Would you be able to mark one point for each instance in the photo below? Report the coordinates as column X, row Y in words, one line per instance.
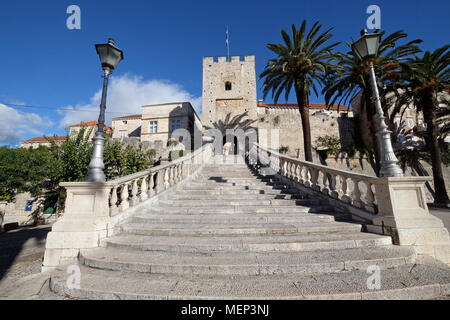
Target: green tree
column 301, row 62
column 25, row 170
column 351, row 76
column 427, row 80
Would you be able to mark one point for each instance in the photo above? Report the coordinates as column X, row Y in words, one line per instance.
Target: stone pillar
column 85, row 222
column 3, row 205
column 403, row 213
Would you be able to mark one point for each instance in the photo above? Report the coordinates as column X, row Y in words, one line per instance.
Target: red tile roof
column 45, row 139
column 134, row 116
column 295, row 105
column 89, row 123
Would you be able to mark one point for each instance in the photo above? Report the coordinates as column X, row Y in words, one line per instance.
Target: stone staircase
column 232, row 234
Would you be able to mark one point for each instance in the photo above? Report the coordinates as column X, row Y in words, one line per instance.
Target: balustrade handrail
column 146, row 172
column 322, row 167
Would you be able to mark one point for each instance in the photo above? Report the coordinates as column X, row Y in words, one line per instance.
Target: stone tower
column 229, row 90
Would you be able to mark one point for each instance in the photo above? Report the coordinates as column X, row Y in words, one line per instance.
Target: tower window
column 227, row 86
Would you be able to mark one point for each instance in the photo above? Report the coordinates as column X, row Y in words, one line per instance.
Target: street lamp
column 110, row 56
column 366, row 49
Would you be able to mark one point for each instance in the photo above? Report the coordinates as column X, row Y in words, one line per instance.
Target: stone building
column 90, row 126
column 126, row 127
column 157, row 125
column 230, row 102
column 35, row 143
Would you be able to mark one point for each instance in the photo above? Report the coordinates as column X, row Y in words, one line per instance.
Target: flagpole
column 228, row 46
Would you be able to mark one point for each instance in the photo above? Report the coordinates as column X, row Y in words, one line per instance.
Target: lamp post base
column 96, row 165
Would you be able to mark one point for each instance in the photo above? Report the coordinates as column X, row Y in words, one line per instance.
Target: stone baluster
column 159, row 181
column 166, row 179
column 325, row 183
column 357, row 194
column 315, row 179
column 151, row 191
column 345, row 190
column 370, row 198
column 171, row 176
column 134, row 193
column 113, row 201
column 124, row 204
column 307, row 177
column 144, row 189
column 334, row 193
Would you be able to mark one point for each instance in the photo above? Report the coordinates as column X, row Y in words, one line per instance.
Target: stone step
column 277, row 243
column 237, row 191
column 231, row 219
column 405, row 282
column 247, row 263
column 235, row 196
column 238, row 229
column 236, row 209
column 224, row 203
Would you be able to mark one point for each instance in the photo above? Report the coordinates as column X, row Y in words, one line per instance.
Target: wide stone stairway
column 233, row 234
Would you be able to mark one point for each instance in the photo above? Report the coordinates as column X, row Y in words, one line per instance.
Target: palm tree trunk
column 429, row 114
column 303, row 105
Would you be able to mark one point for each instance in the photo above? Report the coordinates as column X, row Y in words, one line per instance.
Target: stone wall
column 229, row 90
column 289, row 125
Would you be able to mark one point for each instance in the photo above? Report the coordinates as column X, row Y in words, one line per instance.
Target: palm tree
column 301, row 63
column 428, row 81
column 351, row 76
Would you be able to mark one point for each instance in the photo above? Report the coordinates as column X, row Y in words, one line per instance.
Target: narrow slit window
column 227, row 86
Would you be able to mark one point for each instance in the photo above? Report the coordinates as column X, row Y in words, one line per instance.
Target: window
column 175, row 124
column 228, row 86
column 153, row 126
column 124, row 122
column 122, row 134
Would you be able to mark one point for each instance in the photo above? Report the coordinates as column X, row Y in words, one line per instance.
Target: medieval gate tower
column 229, row 91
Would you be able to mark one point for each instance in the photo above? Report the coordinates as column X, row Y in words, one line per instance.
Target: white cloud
column 15, row 126
column 126, row 95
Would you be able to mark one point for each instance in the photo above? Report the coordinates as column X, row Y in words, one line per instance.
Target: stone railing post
column 391, row 206
column 84, row 224
column 403, row 213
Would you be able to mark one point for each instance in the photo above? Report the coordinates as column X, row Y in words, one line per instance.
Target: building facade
column 158, row 124
column 35, row 143
column 230, row 102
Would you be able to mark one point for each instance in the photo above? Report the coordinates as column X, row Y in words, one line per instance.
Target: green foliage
column 41, row 170
column 176, row 154
column 329, row 142
column 172, row 143
column 328, row 145
column 25, row 170
column 283, row 149
column 276, row 120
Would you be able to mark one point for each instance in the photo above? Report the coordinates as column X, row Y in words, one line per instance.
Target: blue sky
column 42, row 63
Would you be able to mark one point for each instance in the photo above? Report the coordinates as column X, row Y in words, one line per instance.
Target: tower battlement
column 229, row 88
column 223, row 59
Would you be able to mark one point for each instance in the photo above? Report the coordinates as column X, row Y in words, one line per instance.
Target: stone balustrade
column 348, row 187
column 394, row 206
column 94, row 210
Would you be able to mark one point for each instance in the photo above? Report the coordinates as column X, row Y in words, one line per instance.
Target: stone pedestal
column 403, row 213
column 85, row 222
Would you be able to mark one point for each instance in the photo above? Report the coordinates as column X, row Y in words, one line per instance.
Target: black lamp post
column 110, row 56
column 366, row 49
